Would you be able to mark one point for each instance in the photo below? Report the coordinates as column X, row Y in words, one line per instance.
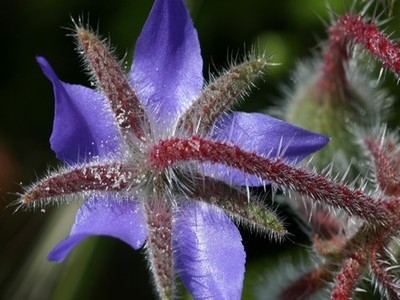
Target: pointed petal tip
column 62, row 249
column 270, row 136
column 264, row 135
column 46, row 68
column 167, row 68
column 324, row 139
column 40, row 60
column 319, row 141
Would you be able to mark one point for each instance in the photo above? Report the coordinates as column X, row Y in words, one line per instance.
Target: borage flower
column 110, row 140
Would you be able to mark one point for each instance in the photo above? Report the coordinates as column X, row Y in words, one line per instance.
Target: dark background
column 289, row 29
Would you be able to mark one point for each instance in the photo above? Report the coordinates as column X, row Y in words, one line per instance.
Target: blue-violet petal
column 103, row 215
column 77, row 133
column 167, row 64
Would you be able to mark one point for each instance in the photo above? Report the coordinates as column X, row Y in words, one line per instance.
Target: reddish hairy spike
column 383, row 277
column 87, row 178
column 159, row 245
column 220, row 95
column 112, row 81
column 346, row 280
column 387, row 163
column 173, row 151
column 353, row 29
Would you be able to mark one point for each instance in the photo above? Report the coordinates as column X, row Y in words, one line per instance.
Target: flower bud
column 335, row 111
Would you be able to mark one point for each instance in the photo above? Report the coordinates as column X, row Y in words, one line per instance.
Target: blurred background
column 103, row 268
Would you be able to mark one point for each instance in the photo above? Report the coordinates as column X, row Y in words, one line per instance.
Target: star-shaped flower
column 112, row 140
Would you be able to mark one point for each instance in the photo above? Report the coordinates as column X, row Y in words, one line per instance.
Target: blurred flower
column 349, row 242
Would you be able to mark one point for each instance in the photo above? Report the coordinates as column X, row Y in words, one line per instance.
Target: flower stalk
column 352, row 30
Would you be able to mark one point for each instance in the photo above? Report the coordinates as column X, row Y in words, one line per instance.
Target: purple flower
column 179, row 212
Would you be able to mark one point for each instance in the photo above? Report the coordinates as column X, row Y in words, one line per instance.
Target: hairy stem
column 353, row 29
column 383, row 277
column 159, row 246
column 347, row 278
column 386, row 163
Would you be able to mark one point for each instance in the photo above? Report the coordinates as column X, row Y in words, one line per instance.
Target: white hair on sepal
column 253, row 220
column 276, row 223
column 66, row 195
column 219, row 97
column 51, row 170
column 41, row 204
column 240, row 204
column 82, row 24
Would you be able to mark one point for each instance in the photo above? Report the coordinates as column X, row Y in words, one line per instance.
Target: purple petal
column 83, row 126
column 104, row 216
column 167, row 65
column 266, row 136
column 210, row 257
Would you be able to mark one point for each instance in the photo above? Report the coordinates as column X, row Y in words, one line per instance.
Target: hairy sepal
column 80, row 180
column 174, row 151
column 221, row 94
column 240, row 206
column 129, row 113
